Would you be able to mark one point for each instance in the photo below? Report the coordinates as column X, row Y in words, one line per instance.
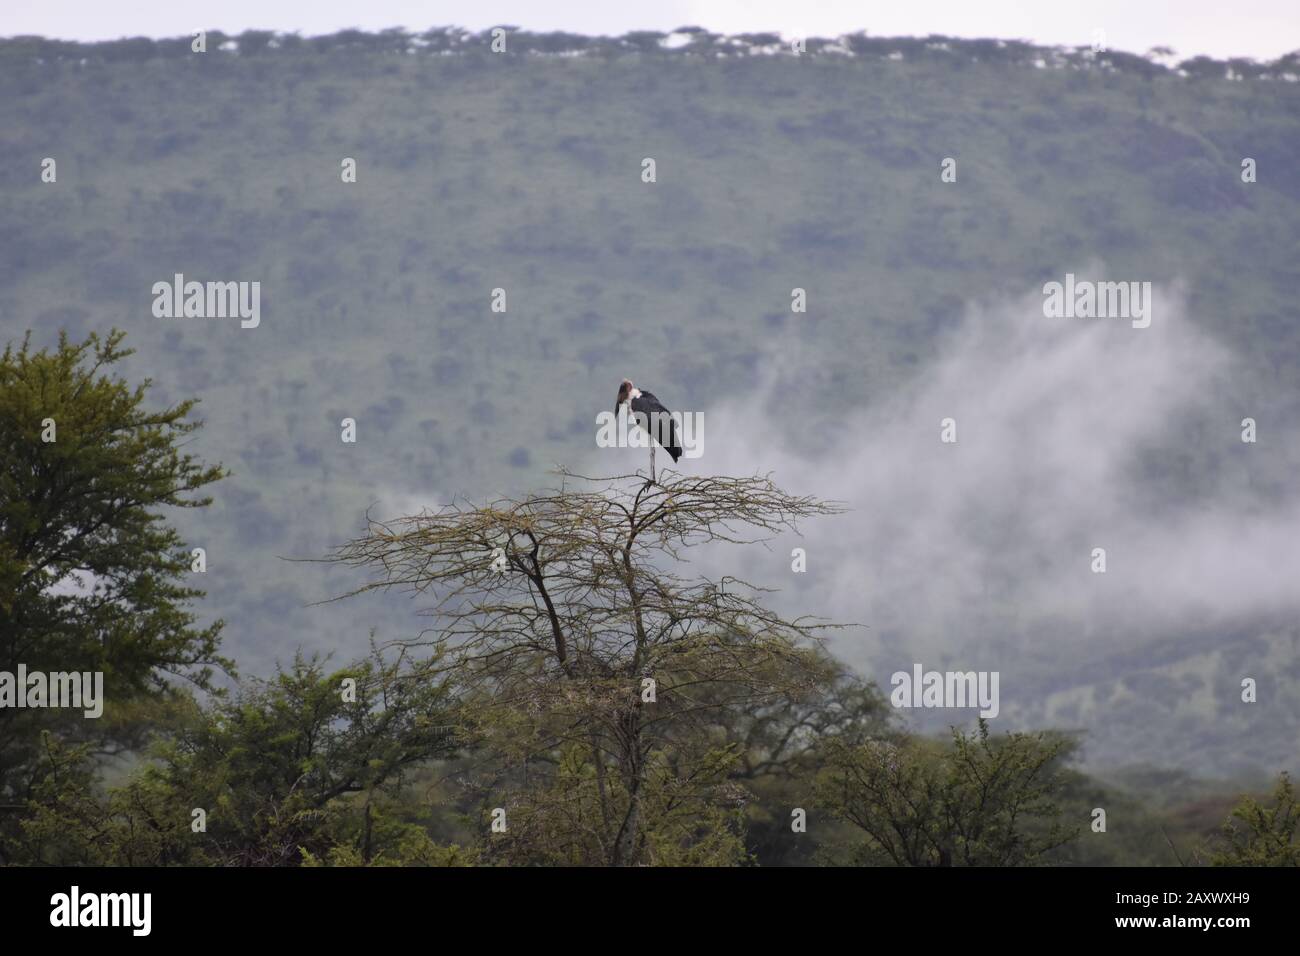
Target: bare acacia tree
column 568, row 623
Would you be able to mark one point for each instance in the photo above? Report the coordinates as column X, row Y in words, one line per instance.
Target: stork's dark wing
column 646, row 402
column 662, row 429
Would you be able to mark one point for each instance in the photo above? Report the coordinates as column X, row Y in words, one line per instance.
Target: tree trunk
column 625, row 846
column 627, row 843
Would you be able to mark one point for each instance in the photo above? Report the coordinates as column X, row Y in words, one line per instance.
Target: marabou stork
column 655, row 420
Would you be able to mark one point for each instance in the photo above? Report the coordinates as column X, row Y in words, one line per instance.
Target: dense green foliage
column 1263, row 835
column 92, row 578
column 973, row 804
column 287, row 772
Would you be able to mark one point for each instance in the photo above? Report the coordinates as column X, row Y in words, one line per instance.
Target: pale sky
column 1262, row 29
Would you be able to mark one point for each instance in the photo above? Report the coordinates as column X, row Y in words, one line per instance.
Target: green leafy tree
column 980, row 801
column 556, row 813
column 1259, row 835
column 92, row 579
column 302, row 768
column 781, row 748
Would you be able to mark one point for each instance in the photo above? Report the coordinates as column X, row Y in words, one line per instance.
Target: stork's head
column 624, row 394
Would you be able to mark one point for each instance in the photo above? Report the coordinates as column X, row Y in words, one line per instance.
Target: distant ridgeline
column 683, row 42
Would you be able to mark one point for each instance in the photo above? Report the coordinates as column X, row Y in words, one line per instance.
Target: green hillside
column 523, row 171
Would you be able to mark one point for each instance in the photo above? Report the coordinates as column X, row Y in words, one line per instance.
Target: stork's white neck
column 635, row 393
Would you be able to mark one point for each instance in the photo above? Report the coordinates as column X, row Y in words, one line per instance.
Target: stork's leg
column 652, row 462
